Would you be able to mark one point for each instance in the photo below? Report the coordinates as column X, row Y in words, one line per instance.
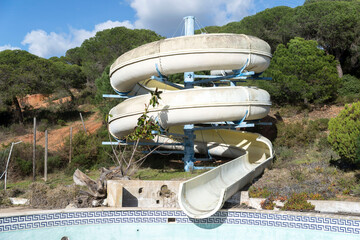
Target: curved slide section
column 189, row 53
column 205, row 194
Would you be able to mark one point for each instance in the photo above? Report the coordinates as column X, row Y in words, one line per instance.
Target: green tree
column 302, row 73
column 21, row 73
column 335, row 25
column 269, row 25
column 96, row 53
column 345, row 133
column 68, row 76
column 314, row 1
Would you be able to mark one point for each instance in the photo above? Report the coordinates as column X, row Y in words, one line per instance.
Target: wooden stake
column 70, row 150
column 83, row 123
column 34, row 152
column 46, row 156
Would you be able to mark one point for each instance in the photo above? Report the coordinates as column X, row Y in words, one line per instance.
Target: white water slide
column 205, row 194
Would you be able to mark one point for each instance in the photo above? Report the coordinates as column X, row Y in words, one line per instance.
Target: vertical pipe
column 189, row 25
column 34, row 152
column 46, row 156
column 189, row 153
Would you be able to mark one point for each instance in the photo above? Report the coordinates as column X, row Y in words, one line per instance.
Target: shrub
column 299, row 133
column 302, row 73
column 41, row 195
column 345, row 132
column 268, row 203
column 61, row 122
column 350, row 86
column 298, row 202
column 22, row 158
column 87, row 150
column 259, row 192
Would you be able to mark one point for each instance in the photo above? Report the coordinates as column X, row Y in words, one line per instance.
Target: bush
column 300, row 133
column 302, row 73
column 41, row 195
column 268, row 203
column 350, row 86
column 22, row 158
column 21, row 163
column 259, row 192
column 345, row 132
column 87, row 150
column 298, row 202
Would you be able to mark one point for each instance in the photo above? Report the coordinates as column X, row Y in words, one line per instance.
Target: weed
column 42, row 195
column 356, row 190
column 259, row 192
column 298, row 202
column 268, row 203
column 298, row 174
column 316, row 196
column 61, row 122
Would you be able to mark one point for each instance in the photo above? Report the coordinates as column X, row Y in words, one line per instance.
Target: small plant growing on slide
column 146, row 128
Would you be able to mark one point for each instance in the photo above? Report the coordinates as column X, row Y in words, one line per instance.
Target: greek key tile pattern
column 62, row 219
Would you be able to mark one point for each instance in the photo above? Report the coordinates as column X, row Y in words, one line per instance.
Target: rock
column 96, row 203
column 70, row 206
column 19, row 201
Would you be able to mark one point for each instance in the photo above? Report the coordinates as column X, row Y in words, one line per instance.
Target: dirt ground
column 56, row 137
column 327, row 111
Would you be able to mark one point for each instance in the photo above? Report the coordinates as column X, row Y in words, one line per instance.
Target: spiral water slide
column 205, row 194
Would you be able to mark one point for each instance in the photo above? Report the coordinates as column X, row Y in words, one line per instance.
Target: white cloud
column 161, row 16
column 164, row 16
column 51, row 44
column 111, row 24
column 8, row 47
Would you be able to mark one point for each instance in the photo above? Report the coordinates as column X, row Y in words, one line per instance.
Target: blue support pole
column 189, row 155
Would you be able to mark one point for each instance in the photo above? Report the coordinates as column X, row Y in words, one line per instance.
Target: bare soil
column 56, row 136
column 292, row 115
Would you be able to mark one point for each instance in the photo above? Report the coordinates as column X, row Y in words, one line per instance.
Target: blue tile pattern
column 47, row 220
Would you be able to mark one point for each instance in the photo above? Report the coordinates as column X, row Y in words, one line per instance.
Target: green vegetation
column 302, row 73
column 298, row 202
column 98, row 52
column 301, row 134
column 22, row 73
column 345, row 132
column 269, row 25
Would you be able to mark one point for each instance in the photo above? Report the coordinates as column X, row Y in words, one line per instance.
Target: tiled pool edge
column 293, row 220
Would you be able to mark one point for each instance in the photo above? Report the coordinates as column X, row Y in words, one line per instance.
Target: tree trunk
column 339, row 68
column 19, row 114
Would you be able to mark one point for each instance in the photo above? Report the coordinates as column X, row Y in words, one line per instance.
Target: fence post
column 46, row 156
column 70, row 150
column 34, row 152
column 83, row 123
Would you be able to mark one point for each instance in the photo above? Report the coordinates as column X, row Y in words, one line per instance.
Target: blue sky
column 50, row 27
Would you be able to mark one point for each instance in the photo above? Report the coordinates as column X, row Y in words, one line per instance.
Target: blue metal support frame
column 164, row 79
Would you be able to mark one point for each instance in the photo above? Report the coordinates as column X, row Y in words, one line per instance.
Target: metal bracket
column 164, row 79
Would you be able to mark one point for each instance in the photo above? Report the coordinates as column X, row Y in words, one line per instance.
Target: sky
column 49, row 28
